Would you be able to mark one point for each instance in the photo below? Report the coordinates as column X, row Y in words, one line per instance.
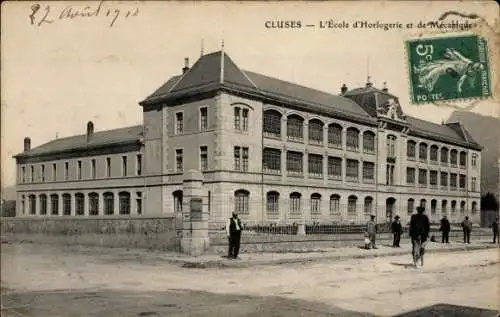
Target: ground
column 47, row 281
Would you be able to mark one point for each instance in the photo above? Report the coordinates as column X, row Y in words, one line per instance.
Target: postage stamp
column 448, row 68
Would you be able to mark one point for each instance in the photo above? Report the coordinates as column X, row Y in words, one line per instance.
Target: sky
column 57, row 76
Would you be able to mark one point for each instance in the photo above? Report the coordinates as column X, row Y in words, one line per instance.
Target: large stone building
column 272, row 150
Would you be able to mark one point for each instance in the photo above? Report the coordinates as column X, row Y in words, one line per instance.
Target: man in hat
column 396, row 229
column 371, row 230
column 419, row 232
column 494, row 226
column 467, row 228
column 445, row 229
column 233, row 231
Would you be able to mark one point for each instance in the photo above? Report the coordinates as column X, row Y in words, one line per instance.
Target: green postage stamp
column 448, row 68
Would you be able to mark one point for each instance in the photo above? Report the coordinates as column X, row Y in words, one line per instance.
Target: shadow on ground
column 440, row 310
column 151, row 304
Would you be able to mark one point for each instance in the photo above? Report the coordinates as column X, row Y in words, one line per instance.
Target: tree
column 489, row 202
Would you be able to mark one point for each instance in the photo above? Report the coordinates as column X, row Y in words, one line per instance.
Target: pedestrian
column 495, row 231
column 445, row 229
column 233, row 230
column 371, row 229
column 397, row 230
column 419, row 232
column 467, row 228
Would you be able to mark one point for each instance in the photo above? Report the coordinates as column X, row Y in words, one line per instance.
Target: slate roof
column 119, row 136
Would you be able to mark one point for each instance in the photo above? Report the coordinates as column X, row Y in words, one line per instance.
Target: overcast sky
column 59, row 75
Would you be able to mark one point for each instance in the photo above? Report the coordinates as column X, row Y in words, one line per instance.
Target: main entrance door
column 389, row 208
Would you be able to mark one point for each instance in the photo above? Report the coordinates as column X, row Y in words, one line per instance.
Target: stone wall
column 138, row 232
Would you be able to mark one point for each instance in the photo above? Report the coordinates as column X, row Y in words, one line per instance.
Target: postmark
column 448, row 68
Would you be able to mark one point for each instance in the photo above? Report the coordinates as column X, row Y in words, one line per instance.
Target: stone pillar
column 116, row 204
column 194, row 240
column 86, row 204
column 101, row 204
column 73, row 204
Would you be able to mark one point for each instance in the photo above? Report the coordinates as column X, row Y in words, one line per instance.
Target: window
column 179, row 123
column 315, row 131
column 108, row 167
column 315, row 165
column 351, row 204
column 315, row 203
column 79, row 170
column 42, row 172
column 54, row 204
column 294, row 128
column 79, row 204
column 124, row 203
column 453, row 181
column 462, row 207
column 391, row 146
column 66, row 204
column 335, row 135
column 474, row 160
column 352, row 170
column 368, row 206
column 237, row 118
column 54, row 172
column 410, row 175
column 389, row 174
column 23, row 206
column 411, row 205
column 444, row 179
column 462, row 181
column 434, row 153
column 93, row 172
column 241, row 205
column 422, row 152
column 109, row 203
column 433, row 179
column 245, row 119
column 444, row 155
column 203, row 119
column 66, row 171
column 241, row 159
column 32, row 173
column 179, row 164
column 209, row 201
column 237, row 158
column 369, row 142
column 203, row 158
column 444, row 207
column 138, row 164
column 334, row 167
column 463, row 159
column 245, row 159
column 453, row 206
column 433, row 206
column 352, row 139
column 93, row 204
column 178, row 200
column 423, row 203
column 295, row 203
column 368, row 171
column 271, row 161
column 138, row 202
column 453, row 157
column 43, row 204
column 32, row 204
column 473, row 184
column 474, row 207
column 294, row 163
column 124, row 166
column 334, row 204
column 272, row 202
column 272, row 124
column 422, row 177
column 23, row 173
column 410, row 149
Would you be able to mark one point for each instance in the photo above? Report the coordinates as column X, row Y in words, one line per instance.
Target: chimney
column 343, row 89
column 27, row 144
column 186, row 65
column 90, row 130
column 385, row 89
column 368, row 82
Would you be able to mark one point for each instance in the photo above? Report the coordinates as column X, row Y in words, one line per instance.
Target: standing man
column 419, row 232
column 495, row 231
column 467, row 228
column 371, row 229
column 397, row 229
column 233, row 231
column 445, row 229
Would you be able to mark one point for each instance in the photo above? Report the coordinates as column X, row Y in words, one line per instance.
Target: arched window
column 352, row 139
column 272, row 202
column 453, row 206
column 411, row 205
column 295, row 127
column 32, row 204
column 422, row 152
column 462, row 207
column 54, row 204
column 43, row 204
column 434, row 153
column 411, row 149
column 444, row 207
column 369, row 142
column 368, row 205
column 423, row 203
column 295, row 203
column 351, row 204
column 79, row 204
column 391, row 146
column 315, row 131
column 66, row 204
column 272, row 123
column 124, row 202
column 474, row 207
column 334, row 204
column 474, row 160
column 444, row 155
column 433, row 206
column 335, row 135
column 453, row 157
column 93, row 204
column 178, row 200
column 241, row 204
column 315, row 203
column 109, row 203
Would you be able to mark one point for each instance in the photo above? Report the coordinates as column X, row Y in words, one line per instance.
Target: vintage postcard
column 252, row 158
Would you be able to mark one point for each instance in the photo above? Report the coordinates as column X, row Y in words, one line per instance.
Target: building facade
column 275, row 152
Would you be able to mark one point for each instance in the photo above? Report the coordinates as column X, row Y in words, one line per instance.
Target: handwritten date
column 47, row 15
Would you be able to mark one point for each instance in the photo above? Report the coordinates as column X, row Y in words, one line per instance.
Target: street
column 48, row 281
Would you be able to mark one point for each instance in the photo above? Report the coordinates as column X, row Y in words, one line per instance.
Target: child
column 367, row 241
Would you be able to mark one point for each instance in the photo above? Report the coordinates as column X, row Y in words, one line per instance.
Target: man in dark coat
column 445, row 229
column 396, row 229
column 495, row 231
column 419, row 232
column 467, row 228
column 233, row 231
